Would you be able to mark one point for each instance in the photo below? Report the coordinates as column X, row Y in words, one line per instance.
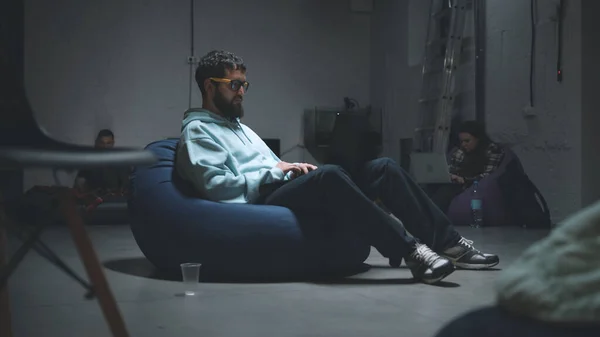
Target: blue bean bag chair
column 172, row 224
column 495, row 212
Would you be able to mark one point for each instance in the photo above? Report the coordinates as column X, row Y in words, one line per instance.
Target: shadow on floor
column 364, row 279
column 141, row 267
column 457, row 269
column 381, row 281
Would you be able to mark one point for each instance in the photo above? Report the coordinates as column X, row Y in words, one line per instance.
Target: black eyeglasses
column 235, row 85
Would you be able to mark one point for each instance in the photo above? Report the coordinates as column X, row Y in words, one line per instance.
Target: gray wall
column 590, row 123
column 394, row 84
column 549, row 139
column 549, row 143
column 122, row 64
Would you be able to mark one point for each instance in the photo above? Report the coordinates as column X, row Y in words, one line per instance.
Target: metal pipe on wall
column 480, row 45
column 191, row 56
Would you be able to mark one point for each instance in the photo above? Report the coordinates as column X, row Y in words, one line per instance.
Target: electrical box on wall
column 193, row 60
column 361, row 6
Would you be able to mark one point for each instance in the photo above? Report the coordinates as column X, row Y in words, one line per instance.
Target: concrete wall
column 590, row 121
column 122, row 64
column 394, row 84
column 548, row 140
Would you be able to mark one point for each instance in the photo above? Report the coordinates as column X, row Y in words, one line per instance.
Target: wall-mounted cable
column 533, row 4
column 480, row 51
column 559, row 18
column 191, row 58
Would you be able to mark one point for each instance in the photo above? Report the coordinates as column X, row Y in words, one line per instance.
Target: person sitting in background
column 476, row 157
column 106, row 180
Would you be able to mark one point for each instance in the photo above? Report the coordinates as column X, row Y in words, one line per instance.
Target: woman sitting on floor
column 475, row 158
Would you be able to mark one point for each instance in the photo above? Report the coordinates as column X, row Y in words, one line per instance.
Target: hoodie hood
column 208, row 117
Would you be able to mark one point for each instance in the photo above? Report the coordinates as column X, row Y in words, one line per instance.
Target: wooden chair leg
column 92, row 265
column 5, row 317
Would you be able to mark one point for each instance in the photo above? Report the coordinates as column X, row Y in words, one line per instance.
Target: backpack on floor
column 523, row 199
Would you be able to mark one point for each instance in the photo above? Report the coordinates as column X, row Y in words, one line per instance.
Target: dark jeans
column 349, row 204
column 444, row 195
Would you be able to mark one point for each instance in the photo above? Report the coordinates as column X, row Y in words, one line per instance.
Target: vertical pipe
column 560, row 18
column 192, row 21
column 480, row 33
column 191, row 80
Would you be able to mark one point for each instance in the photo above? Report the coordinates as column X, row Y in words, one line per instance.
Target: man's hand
column 296, row 169
column 457, row 179
column 305, row 168
column 287, row 167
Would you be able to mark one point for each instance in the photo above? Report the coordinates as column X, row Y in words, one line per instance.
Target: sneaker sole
column 440, row 277
column 471, row 266
column 475, row 266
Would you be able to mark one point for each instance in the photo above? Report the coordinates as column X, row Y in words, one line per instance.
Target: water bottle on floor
column 476, row 206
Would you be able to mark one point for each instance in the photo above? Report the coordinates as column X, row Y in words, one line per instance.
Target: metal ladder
column 441, row 60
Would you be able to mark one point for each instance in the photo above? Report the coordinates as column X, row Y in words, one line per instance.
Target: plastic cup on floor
column 190, row 273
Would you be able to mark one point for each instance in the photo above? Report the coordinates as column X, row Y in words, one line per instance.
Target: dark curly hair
column 475, row 129
column 105, row 133
column 214, row 64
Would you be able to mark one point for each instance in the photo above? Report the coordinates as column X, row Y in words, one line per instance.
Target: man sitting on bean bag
column 227, row 162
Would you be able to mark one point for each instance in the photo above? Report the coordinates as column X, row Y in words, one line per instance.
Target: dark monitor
column 352, row 142
column 319, row 126
column 274, row 144
column 324, row 125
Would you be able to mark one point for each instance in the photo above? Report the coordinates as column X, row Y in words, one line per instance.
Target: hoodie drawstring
column 237, row 134
column 241, row 128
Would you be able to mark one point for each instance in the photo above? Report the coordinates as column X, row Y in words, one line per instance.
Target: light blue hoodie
column 224, row 160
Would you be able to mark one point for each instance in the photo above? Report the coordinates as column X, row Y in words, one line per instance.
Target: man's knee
column 330, row 178
column 385, row 163
column 331, row 170
column 386, row 167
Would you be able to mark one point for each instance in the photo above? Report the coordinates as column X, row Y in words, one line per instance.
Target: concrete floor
column 380, row 302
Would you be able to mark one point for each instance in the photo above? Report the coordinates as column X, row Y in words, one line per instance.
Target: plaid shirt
column 494, row 155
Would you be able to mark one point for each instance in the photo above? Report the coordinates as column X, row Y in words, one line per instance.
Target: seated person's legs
column 384, row 179
column 330, row 191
